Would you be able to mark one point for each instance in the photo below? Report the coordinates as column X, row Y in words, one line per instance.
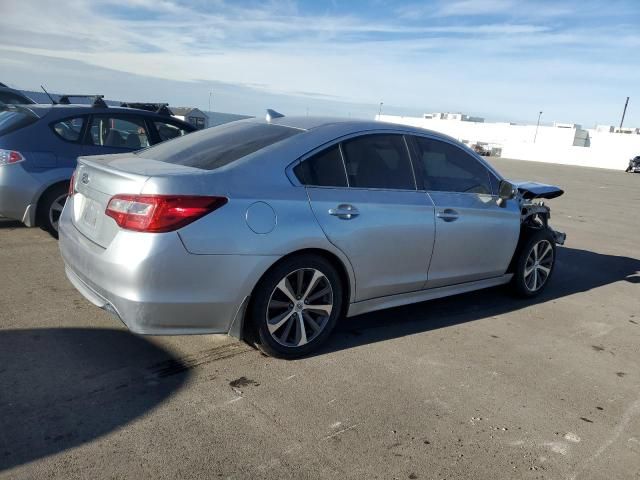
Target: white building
column 565, row 143
column 194, row 116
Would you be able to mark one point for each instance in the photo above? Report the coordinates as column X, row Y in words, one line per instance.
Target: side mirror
column 506, row 191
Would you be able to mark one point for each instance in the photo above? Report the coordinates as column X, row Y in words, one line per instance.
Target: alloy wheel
column 56, row 210
column 538, row 265
column 299, row 307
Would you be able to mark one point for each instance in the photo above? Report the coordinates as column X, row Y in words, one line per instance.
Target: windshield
column 218, row 146
column 13, row 118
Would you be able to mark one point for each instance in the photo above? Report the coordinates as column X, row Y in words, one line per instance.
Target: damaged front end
column 533, row 211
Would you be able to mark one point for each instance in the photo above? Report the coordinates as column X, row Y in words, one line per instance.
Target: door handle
column 344, row 211
column 448, row 215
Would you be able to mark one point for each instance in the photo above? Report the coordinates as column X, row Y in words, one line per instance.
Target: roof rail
column 160, row 108
column 97, row 99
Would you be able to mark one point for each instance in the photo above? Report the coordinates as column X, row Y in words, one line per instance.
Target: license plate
column 90, row 213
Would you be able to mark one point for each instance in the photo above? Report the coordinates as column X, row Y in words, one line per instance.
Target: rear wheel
column 50, row 208
column 296, row 306
column 535, row 263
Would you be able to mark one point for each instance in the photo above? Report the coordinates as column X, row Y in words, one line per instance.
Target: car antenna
column 53, row 102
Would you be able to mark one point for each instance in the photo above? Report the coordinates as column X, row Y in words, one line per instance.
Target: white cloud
column 484, row 66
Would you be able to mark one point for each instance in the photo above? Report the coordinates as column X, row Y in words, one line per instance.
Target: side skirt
column 381, row 303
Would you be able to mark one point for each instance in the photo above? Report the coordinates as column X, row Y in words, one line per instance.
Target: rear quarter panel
column 289, row 225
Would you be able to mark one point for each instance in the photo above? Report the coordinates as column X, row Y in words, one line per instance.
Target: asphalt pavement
column 481, row 385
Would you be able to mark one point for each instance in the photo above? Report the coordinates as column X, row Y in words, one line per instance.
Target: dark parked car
column 39, row 145
column 13, row 97
column 634, row 165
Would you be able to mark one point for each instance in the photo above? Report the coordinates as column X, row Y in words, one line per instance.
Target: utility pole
column 537, row 125
column 380, row 110
column 624, row 112
column 209, row 111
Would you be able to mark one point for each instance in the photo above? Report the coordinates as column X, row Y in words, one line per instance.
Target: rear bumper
column 154, row 285
column 18, row 191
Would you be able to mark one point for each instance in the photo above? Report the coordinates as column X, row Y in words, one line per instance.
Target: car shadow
column 575, row 271
column 60, row 388
column 6, row 223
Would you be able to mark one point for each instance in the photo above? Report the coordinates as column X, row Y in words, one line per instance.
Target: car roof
column 42, row 109
column 82, row 107
column 348, row 125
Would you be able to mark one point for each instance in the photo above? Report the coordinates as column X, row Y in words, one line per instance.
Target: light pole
column 210, row 95
column 537, row 125
column 380, row 110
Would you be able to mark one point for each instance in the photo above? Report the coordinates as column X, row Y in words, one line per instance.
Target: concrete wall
column 570, row 146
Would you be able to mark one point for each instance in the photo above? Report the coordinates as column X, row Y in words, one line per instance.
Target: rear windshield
column 13, row 98
column 14, row 118
column 218, row 146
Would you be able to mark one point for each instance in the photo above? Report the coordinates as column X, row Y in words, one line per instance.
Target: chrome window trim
column 344, row 164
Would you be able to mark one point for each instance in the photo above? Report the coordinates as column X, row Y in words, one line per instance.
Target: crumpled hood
column 531, row 190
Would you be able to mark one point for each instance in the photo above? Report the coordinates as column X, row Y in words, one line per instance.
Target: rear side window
column 378, row 161
column 447, row 168
column 12, row 119
column 168, row 131
column 218, row 146
column 324, row 169
column 120, row 132
column 69, row 129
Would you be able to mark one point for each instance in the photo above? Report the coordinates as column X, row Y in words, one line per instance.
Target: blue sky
column 501, row 59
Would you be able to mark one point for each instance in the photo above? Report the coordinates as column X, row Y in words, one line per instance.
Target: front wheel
column 295, row 306
column 534, row 264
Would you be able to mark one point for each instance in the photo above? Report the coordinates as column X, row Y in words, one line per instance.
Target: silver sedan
column 273, row 230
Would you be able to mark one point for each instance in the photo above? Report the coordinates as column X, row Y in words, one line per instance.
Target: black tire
column 268, row 297
column 48, row 212
column 525, row 281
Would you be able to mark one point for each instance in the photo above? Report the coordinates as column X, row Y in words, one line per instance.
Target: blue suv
column 39, row 145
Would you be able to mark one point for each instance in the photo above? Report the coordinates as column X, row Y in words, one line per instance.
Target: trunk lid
column 98, row 178
column 95, row 183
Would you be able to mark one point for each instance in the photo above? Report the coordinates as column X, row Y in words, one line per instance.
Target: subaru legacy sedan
column 273, row 230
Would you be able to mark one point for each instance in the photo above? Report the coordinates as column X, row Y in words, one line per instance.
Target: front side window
column 167, row 131
column 447, row 168
column 119, row 132
column 378, row 161
column 216, row 147
column 69, row 129
column 324, row 169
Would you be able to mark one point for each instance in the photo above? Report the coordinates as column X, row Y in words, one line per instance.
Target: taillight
column 8, row 157
column 72, row 185
column 160, row 213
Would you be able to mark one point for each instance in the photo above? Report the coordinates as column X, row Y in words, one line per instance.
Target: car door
column 475, row 237
column 363, row 194
column 115, row 133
